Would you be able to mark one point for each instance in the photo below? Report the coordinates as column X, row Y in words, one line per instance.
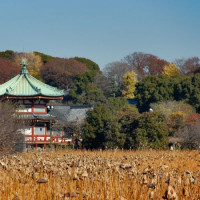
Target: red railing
column 45, row 139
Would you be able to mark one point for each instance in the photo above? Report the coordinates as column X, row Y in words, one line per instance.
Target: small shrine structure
column 32, row 97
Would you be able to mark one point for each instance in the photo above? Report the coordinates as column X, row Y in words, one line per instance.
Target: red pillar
column 32, row 133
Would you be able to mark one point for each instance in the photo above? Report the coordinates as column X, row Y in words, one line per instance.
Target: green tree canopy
column 9, row 54
column 103, row 126
column 45, row 58
column 153, row 89
column 151, row 131
column 101, row 129
column 188, row 89
column 92, row 66
column 89, row 63
column 84, row 93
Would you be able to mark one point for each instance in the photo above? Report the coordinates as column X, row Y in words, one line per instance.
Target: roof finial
column 24, row 64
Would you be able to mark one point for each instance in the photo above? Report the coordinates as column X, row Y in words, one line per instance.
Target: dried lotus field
column 112, row 175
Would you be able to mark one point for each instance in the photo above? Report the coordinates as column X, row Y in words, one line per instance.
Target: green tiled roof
column 26, row 85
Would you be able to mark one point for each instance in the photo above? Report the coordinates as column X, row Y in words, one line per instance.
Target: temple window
column 41, row 109
column 39, row 130
column 24, row 109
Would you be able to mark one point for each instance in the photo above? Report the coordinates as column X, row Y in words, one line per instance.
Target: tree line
column 167, row 96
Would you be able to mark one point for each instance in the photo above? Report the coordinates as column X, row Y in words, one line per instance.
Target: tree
column 60, row 72
column 9, row 54
column 129, row 84
column 116, row 104
column 189, row 65
column 84, row 90
column 93, row 68
column 117, row 70
column 84, row 93
column 188, row 89
column 177, row 114
column 145, row 64
column 118, row 124
column 8, row 69
column 143, row 131
column 175, row 121
column 170, row 70
column 151, row 131
column 153, row 89
column 167, row 108
column 114, row 73
column 101, row 129
column 103, row 83
column 128, row 122
column 45, row 58
column 107, row 124
column 190, row 135
column 10, row 137
column 34, row 63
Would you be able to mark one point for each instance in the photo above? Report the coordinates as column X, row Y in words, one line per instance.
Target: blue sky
column 101, row 30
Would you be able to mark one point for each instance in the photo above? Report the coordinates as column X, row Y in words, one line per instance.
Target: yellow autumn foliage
column 129, row 81
column 178, row 114
column 34, row 63
column 170, row 70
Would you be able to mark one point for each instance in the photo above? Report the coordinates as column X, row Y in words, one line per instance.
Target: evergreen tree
column 45, row 58
column 153, row 89
column 101, row 129
column 151, row 131
column 9, row 54
column 84, row 91
column 91, row 66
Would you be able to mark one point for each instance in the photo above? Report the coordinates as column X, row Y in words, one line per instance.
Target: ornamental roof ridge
column 24, row 70
column 8, row 83
column 34, row 87
column 46, row 85
column 8, row 90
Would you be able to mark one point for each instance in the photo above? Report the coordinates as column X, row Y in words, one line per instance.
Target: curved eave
column 34, row 97
column 36, row 120
column 25, row 85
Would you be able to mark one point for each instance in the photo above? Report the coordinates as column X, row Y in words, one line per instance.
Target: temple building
column 31, row 98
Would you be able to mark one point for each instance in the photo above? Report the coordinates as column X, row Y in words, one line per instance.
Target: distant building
column 70, row 114
column 70, row 119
